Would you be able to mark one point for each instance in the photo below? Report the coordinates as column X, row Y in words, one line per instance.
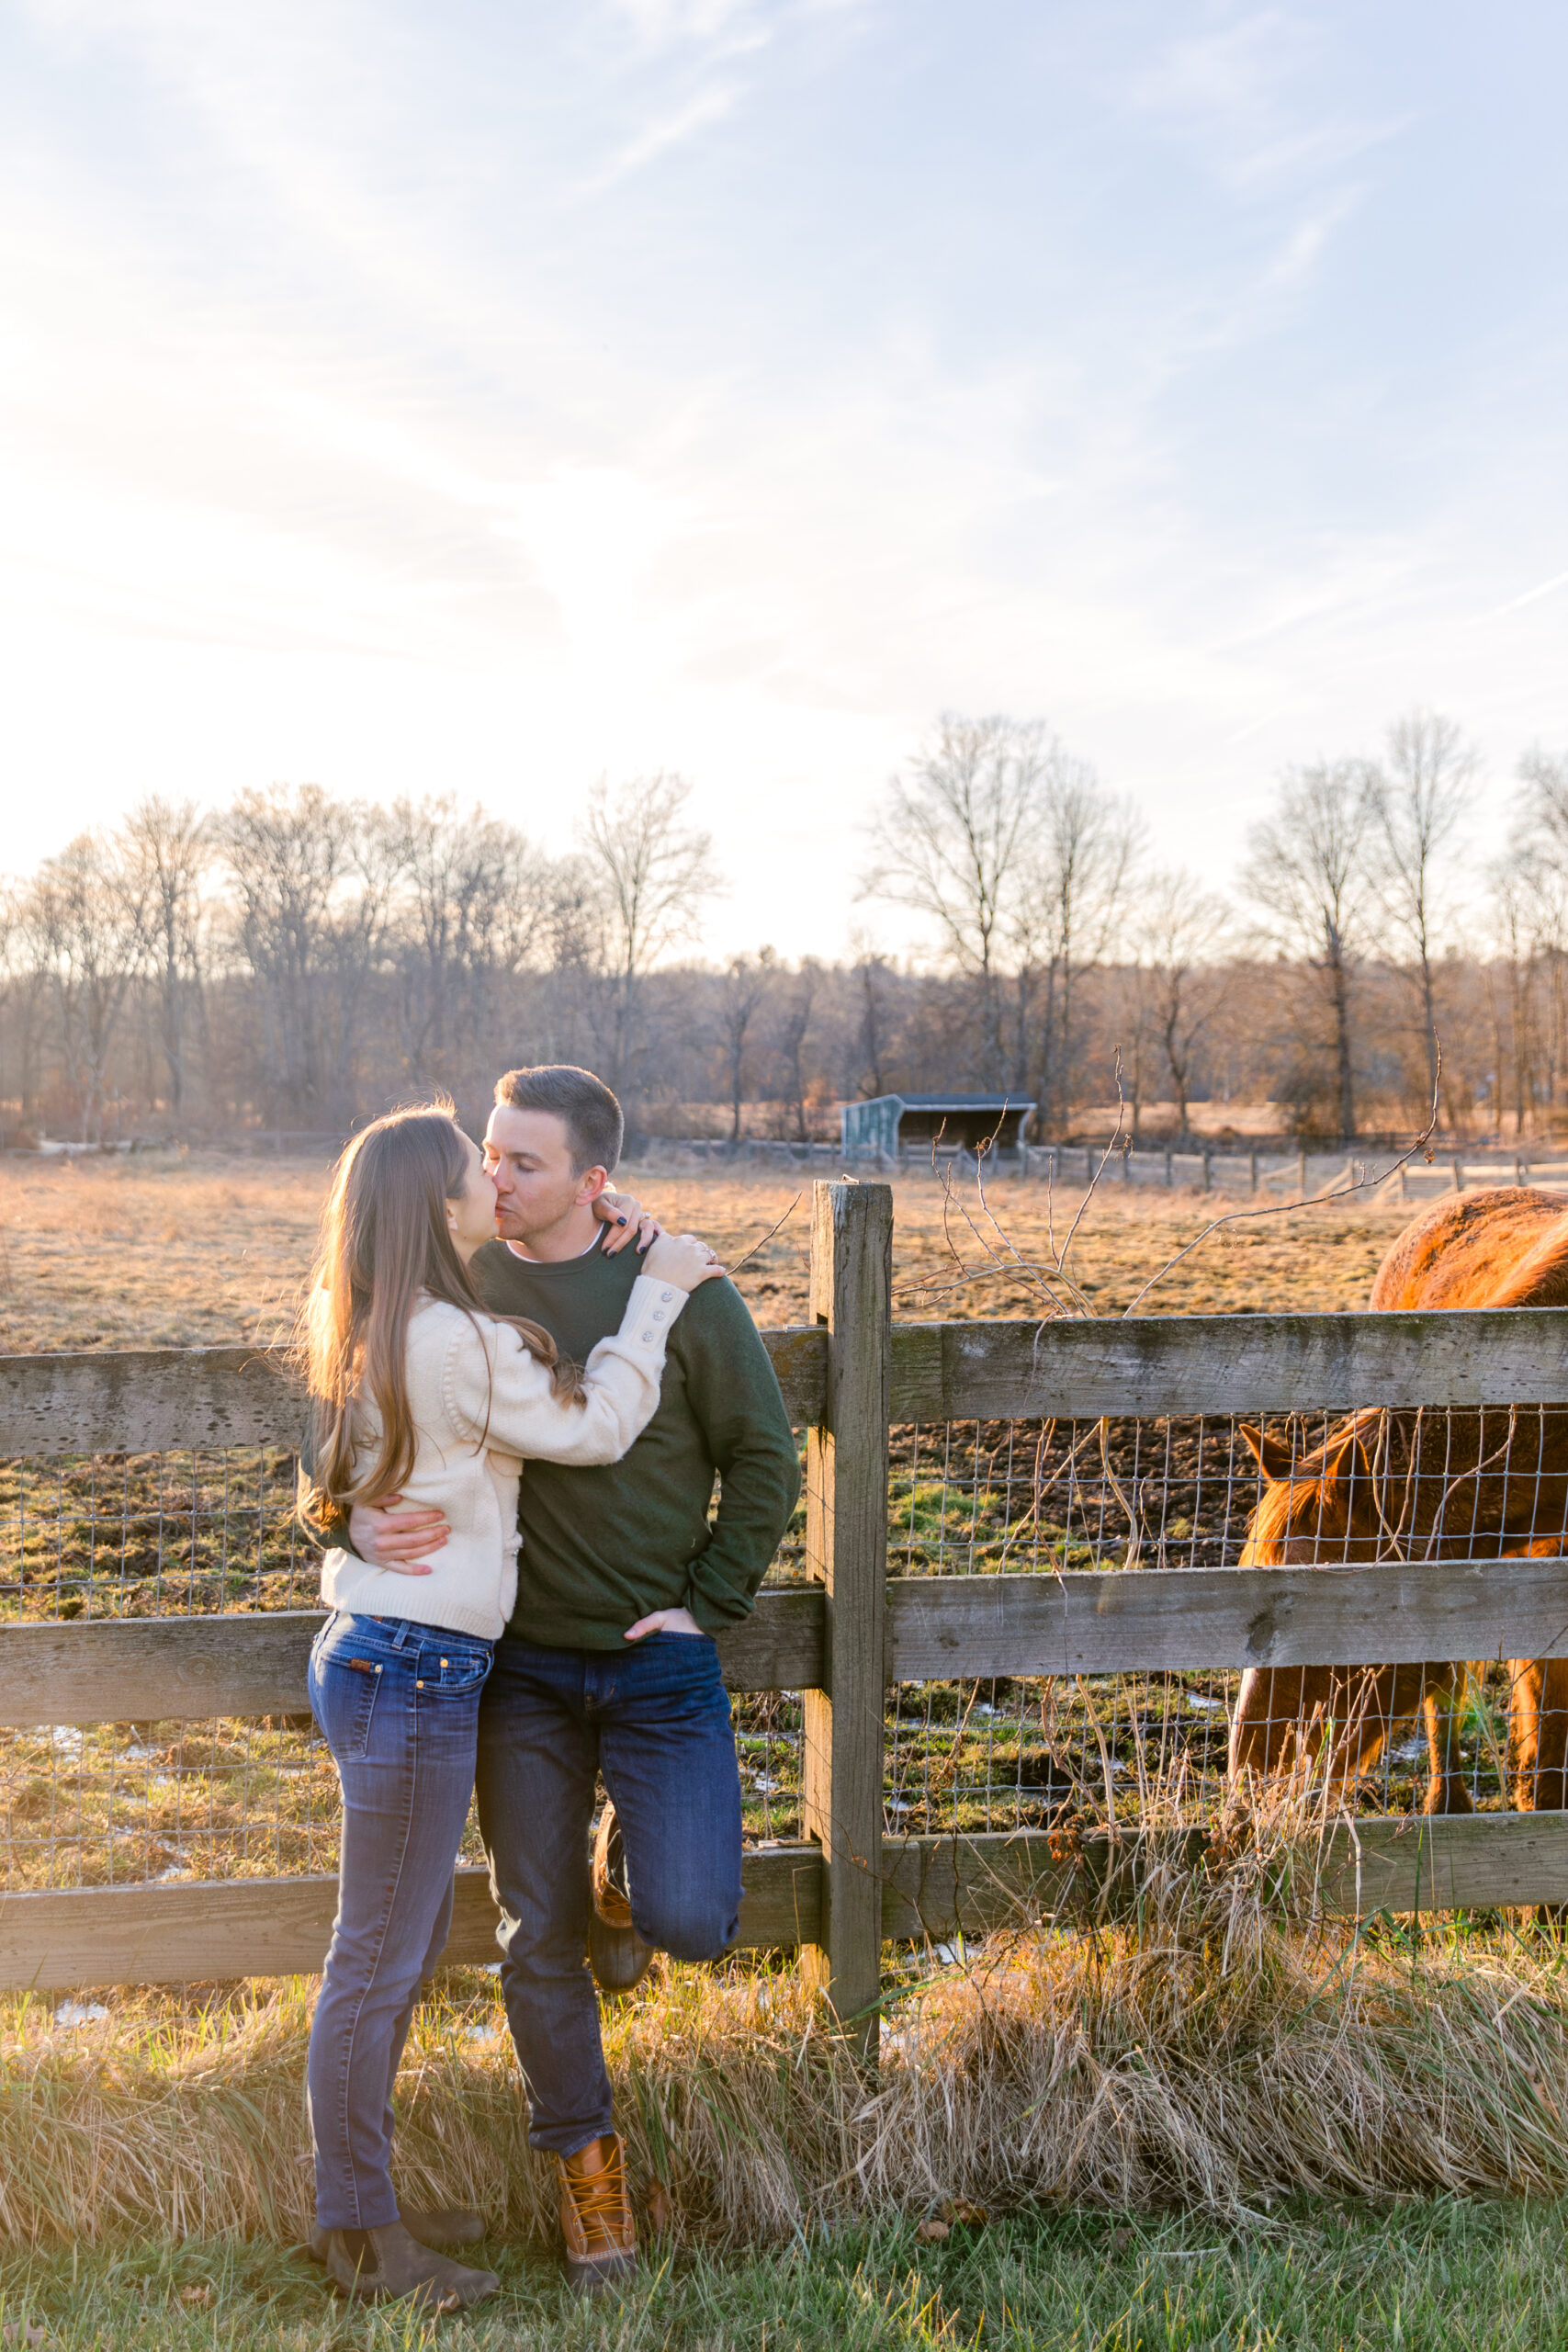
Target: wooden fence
column 846, row 1886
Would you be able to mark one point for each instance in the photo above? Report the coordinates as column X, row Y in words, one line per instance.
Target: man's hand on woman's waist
column 390, row 1538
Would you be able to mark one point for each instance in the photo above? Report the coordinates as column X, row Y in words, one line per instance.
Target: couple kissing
column 522, row 1391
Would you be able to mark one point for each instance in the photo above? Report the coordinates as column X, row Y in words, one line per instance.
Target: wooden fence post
column 846, row 1551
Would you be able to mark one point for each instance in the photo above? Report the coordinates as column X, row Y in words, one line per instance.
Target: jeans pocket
column 455, row 1671
column 342, row 1699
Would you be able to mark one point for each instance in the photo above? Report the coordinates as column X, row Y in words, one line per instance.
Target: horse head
column 1318, row 1507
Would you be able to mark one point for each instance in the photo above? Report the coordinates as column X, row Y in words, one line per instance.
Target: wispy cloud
column 1532, row 596
column 665, row 131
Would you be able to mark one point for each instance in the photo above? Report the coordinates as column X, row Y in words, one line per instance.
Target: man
column 608, row 1664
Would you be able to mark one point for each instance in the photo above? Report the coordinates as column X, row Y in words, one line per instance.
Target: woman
column 417, row 1390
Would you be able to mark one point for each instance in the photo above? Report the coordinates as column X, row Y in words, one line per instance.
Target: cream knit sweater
column 482, row 1404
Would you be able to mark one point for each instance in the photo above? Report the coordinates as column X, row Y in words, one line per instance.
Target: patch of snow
column 75, row 2012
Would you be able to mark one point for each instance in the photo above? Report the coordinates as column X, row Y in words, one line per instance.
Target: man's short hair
column 583, row 1104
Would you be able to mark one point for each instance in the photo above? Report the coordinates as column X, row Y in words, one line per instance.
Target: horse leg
column 1446, row 1791
column 1366, row 1702
column 1526, row 1678
column 1538, row 1733
column 1271, row 1717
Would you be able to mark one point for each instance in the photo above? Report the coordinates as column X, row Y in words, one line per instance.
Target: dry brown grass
column 1215, row 2062
column 192, row 1250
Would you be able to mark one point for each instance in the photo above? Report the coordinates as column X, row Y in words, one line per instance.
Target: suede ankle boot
column 388, row 2265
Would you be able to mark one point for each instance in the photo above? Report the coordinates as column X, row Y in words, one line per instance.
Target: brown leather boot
column 387, row 2266
column 619, row 1958
column 442, row 2225
column 596, row 2215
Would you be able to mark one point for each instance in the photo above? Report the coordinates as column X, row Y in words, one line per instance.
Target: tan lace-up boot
column 596, row 2215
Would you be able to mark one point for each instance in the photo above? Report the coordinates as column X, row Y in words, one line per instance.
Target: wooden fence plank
column 119, row 1670
column 281, row 1927
column 152, row 1400
column 934, row 1887
column 1479, row 1861
column 159, row 1400
column 939, row 1628
column 1187, row 1365
column 1189, row 1619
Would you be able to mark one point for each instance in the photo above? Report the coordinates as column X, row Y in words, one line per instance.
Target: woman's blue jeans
column 398, row 1706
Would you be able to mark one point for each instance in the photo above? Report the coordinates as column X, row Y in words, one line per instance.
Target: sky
column 509, row 401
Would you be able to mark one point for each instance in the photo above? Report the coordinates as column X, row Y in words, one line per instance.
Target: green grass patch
column 1449, row 2275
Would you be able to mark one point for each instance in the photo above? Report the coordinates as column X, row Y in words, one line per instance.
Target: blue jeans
column 654, row 1720
column 398, row 1706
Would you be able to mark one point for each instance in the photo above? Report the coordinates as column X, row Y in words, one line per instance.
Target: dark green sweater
column 602, row 1548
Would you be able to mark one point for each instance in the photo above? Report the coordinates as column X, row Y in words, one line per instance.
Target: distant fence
column 1063, row 1505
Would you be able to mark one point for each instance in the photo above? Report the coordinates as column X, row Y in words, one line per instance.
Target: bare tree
column 1419, row 799
column 1309, row 867
column 86, row 915
column 800, row 1000
column 743, row 991
column 23, row 994
column 311, row 881
column 1071, row 896
column 475, row 906
column 654, row 872
column 1531, row 887
column 872, row 975
column 949, row 843
column 167, row 844
column 1187, row 929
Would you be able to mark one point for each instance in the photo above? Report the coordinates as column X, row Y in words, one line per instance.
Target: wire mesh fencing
column 198, row 1534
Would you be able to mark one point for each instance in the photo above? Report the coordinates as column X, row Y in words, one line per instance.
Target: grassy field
column 1440, row 2275
column 192, row 1250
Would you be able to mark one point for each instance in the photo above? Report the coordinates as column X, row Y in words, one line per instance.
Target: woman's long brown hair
column 384, row 1243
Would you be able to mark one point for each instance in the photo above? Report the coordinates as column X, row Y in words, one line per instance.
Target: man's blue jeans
column 654, row 1720
column 398, row 1706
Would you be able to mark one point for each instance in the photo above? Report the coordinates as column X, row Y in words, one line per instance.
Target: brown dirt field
column 185, row 1250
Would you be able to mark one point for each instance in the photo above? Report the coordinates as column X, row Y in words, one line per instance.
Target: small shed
column 889, row 1123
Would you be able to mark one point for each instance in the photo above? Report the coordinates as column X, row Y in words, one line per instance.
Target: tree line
column 295, row 961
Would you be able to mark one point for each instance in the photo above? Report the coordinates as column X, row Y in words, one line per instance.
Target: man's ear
column 590, row 1184
column 1272, row 1454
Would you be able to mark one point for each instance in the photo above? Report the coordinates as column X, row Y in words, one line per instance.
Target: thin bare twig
column 767, row 1237
column 1362, row 1183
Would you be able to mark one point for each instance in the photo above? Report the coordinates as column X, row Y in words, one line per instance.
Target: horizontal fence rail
column 939, row 1628
column 157, row 1400
column 930, row 1887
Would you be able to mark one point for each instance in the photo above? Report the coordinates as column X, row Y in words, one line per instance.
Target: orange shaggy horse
column 1417, row 1486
